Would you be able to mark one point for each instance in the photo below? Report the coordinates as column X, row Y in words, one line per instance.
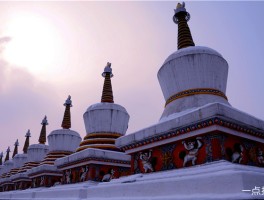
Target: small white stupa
column 98, row 157
column 5, row 182
column 6, row 165
column 62, row 142
column 105, row 121
column 35, row 153
column 20, row 159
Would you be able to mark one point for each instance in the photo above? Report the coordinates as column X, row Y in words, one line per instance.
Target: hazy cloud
column 24, row 101
column 4, row 39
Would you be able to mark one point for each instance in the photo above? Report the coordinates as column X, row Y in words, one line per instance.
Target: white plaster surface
column 23, row 175
column 42, row 168
column 217, row 180
column 98, row 153
column 36, row 152
column 16, row 162
column 187, row 117
column 106, row 117
column 64, row 140
column 189, row 68
column 7, row 166
column 7, row 179
column 19, row 160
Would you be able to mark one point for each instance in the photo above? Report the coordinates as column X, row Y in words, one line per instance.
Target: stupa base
column 216, row 180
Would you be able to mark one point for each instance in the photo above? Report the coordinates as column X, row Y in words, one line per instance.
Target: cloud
column 24, row 101
column 4, row 39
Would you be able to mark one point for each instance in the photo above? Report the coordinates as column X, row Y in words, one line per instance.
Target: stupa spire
column 26, row 145
column 42, row 137
column 7, row 154
column 66, row 122
column 107, row 94
column 15, row 149
column 1, row 158
column 181, row 17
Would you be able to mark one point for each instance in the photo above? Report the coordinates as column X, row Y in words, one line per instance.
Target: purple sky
column 49, row 50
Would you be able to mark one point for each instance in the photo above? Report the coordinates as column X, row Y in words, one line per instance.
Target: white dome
column 106, row 117
column 64, row 140
column 19, row 160
column 8, row 165
column 192, row 68
column 36, row 152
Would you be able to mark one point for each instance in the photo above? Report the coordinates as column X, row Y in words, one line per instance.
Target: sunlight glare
column 34, row 43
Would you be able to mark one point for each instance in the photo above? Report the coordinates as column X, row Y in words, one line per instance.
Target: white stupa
column 20, row 159
column 35, row 153
column 192, row 77
column 7, row 165
column 104, row 123
column 201, row 148
column 62, row 142
column 5, row 180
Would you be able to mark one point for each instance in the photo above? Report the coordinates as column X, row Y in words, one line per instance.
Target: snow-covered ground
column 217, row 180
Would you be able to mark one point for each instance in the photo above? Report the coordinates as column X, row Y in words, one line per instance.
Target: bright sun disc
column 34, row 43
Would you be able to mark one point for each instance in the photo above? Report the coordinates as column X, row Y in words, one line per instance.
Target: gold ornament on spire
column 181, row 17
column 66, row 122
column 26, row 145
column 107, row 94
column 42, row 136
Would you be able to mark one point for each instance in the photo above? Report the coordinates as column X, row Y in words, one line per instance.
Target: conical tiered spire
column 26, row 145
column 107, row 95
column 1, row 158
column 181, row 17
column 66, row 122
column 15, row 149
column 42, row 137
column 7, row 154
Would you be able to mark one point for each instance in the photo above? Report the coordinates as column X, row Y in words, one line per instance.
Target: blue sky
column 64, row 47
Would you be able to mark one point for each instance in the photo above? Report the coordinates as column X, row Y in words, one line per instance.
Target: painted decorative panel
column 205, row 148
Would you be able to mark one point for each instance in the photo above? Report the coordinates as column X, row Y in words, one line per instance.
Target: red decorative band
column 195, row 91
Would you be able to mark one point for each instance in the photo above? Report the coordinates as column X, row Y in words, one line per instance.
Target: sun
column 34, row 44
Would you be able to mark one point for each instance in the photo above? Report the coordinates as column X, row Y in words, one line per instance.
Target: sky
column 49, row 50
